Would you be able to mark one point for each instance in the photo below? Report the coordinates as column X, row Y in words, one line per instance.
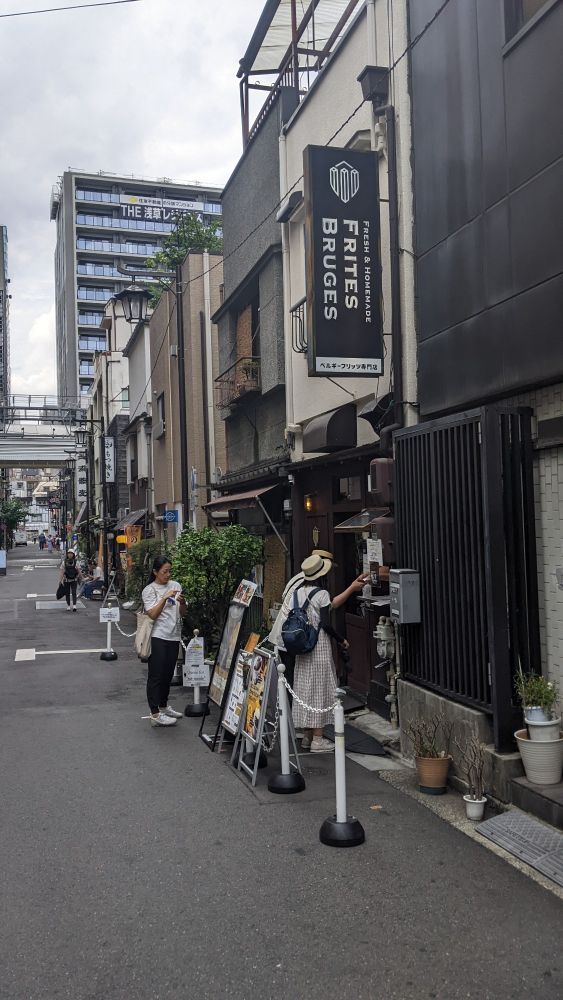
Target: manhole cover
column 315, row 770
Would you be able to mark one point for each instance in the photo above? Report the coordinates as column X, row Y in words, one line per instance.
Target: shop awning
column 332, row 431
column 361, row 522
column 236, row 501
column 133, row 517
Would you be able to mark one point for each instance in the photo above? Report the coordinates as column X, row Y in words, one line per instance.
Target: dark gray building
column 480, row 479
column 4, row 318
column 104, row 220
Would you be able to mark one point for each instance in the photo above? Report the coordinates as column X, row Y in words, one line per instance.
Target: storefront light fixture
column 309, row 502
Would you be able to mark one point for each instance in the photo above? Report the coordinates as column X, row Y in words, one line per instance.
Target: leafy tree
column 209, row 565
column 190, row 234
column 142, row 556
column 12, row 512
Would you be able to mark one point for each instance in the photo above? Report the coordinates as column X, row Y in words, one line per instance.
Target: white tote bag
column 143, row 634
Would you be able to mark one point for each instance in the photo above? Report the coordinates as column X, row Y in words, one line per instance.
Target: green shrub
column 209, row 564
column 142, row 556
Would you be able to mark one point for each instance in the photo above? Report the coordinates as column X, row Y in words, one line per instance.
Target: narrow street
column 137, row 865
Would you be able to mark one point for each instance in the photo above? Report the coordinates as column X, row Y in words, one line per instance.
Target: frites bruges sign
column 343, row 269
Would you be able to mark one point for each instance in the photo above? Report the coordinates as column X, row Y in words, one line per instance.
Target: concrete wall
column 250, row 193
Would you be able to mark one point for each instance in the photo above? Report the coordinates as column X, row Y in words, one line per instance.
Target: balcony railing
column 298, row 328
column 238, row 382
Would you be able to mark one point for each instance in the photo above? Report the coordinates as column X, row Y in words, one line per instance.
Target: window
column 90, row 318
column 87, row 343
column 159, row 429
column 95, row 294
column 86, row 368
column 347, row 488
column 518, row 12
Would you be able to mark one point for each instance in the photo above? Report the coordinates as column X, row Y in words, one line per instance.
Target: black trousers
column 162, row 663
column 70, row 587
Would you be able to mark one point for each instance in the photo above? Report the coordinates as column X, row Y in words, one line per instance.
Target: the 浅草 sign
column 344, row 326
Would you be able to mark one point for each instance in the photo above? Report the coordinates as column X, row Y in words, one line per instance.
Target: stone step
column 543, row 801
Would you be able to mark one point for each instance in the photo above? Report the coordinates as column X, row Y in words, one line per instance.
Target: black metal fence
column 465, row 521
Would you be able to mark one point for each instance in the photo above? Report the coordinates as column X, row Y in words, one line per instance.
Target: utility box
column 404, row 596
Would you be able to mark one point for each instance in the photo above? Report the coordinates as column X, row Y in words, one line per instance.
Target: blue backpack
column 298, row 635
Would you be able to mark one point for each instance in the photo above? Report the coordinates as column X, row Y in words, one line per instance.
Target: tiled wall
column 548, row 490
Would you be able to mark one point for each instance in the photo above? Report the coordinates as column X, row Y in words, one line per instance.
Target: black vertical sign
column 344, row 325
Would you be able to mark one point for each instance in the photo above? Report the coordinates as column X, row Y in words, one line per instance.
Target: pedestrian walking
column 49, row 544
column 315, row 679
column 70, row 576
column 163, row 602
column 41, row 542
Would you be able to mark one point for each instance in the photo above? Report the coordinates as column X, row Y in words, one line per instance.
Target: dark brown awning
column 236, row 501
column 336, row 430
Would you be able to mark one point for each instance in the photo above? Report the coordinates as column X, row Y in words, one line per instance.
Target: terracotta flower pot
column 432, row 774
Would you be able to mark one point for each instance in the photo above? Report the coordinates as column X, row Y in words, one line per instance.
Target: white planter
column 474, row 808
column 533, row 713
column 543, row 761
column 543, row 732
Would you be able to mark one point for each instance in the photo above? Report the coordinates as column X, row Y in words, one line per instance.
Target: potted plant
column 538, row 697
column 430, row 740
column 472, row 763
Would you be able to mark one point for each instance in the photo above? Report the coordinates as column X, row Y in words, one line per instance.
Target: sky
column 146, row 88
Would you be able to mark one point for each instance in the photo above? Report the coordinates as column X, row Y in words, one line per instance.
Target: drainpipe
column 286, row 272
column 208, row 372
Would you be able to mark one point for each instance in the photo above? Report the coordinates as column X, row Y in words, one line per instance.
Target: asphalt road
column 135, row 864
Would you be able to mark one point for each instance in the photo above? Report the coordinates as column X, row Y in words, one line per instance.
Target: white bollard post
column 108, row 653
column 287, row 782
column 341, row 830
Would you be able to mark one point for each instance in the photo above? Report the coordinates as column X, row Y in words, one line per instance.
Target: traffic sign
column 171, row 516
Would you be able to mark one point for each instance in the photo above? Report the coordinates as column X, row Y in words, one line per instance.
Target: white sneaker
column 306, row 743
column 68, row 607
column 171, row 712
column 162, row 720
column 321, row 746
column 74, row 607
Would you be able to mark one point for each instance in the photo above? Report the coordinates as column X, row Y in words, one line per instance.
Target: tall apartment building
column 4, row 317
column 103, row 221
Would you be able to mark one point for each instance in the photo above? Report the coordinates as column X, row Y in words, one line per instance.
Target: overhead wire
column 78, row 6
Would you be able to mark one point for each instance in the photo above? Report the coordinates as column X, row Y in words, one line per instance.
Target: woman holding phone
column 163, row 602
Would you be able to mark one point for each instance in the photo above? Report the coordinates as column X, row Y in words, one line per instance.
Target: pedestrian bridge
column 38, row 431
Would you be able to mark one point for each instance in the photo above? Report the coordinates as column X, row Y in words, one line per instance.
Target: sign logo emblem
column 344, row 181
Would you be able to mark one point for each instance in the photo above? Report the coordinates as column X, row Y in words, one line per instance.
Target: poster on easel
column 235, row 697
column 222, row 670
column 257, row 720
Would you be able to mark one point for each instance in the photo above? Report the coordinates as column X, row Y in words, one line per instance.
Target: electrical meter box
column 404, row 596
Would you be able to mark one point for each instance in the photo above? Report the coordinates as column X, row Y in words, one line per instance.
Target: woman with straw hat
column 315, row 673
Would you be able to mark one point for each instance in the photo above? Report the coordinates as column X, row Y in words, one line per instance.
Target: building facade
column 4, row 318
column 486, row 461
column 202, row 277
column 105, row 222
column 138, row 432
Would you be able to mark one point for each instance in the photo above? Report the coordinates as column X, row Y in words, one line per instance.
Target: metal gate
column 465, row 521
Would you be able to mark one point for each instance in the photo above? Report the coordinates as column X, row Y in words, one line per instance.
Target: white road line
column 31, row 654
column 58, row 652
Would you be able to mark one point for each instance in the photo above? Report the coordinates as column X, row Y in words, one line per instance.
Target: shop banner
column 108, row 447
column 133, row 533
column 344, row 322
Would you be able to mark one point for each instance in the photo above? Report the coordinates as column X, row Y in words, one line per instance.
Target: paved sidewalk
column 137, row 865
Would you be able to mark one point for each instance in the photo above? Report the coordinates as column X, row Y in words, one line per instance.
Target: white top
column 320, row 600
column 168, row 625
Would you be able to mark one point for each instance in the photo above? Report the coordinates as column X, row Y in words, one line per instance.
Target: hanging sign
column 108, row 447
column 109, row 614
column 195, row 672
column 344, row 322
column 133, row 534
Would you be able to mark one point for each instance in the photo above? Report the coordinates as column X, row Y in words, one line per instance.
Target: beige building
column 202, row 276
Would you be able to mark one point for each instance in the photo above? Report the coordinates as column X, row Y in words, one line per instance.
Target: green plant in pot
column 472, row 763
column 538, row 696
column 430, row 739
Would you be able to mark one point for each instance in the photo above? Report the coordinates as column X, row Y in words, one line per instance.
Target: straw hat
column 323, row 553
column 315, row 566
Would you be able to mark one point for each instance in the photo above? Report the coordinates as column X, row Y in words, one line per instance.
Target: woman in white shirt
column 163, row 602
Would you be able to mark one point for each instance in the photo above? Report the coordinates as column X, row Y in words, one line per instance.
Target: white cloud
column 148, row 88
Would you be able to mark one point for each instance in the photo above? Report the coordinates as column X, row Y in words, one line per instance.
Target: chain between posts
column 317, row 711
